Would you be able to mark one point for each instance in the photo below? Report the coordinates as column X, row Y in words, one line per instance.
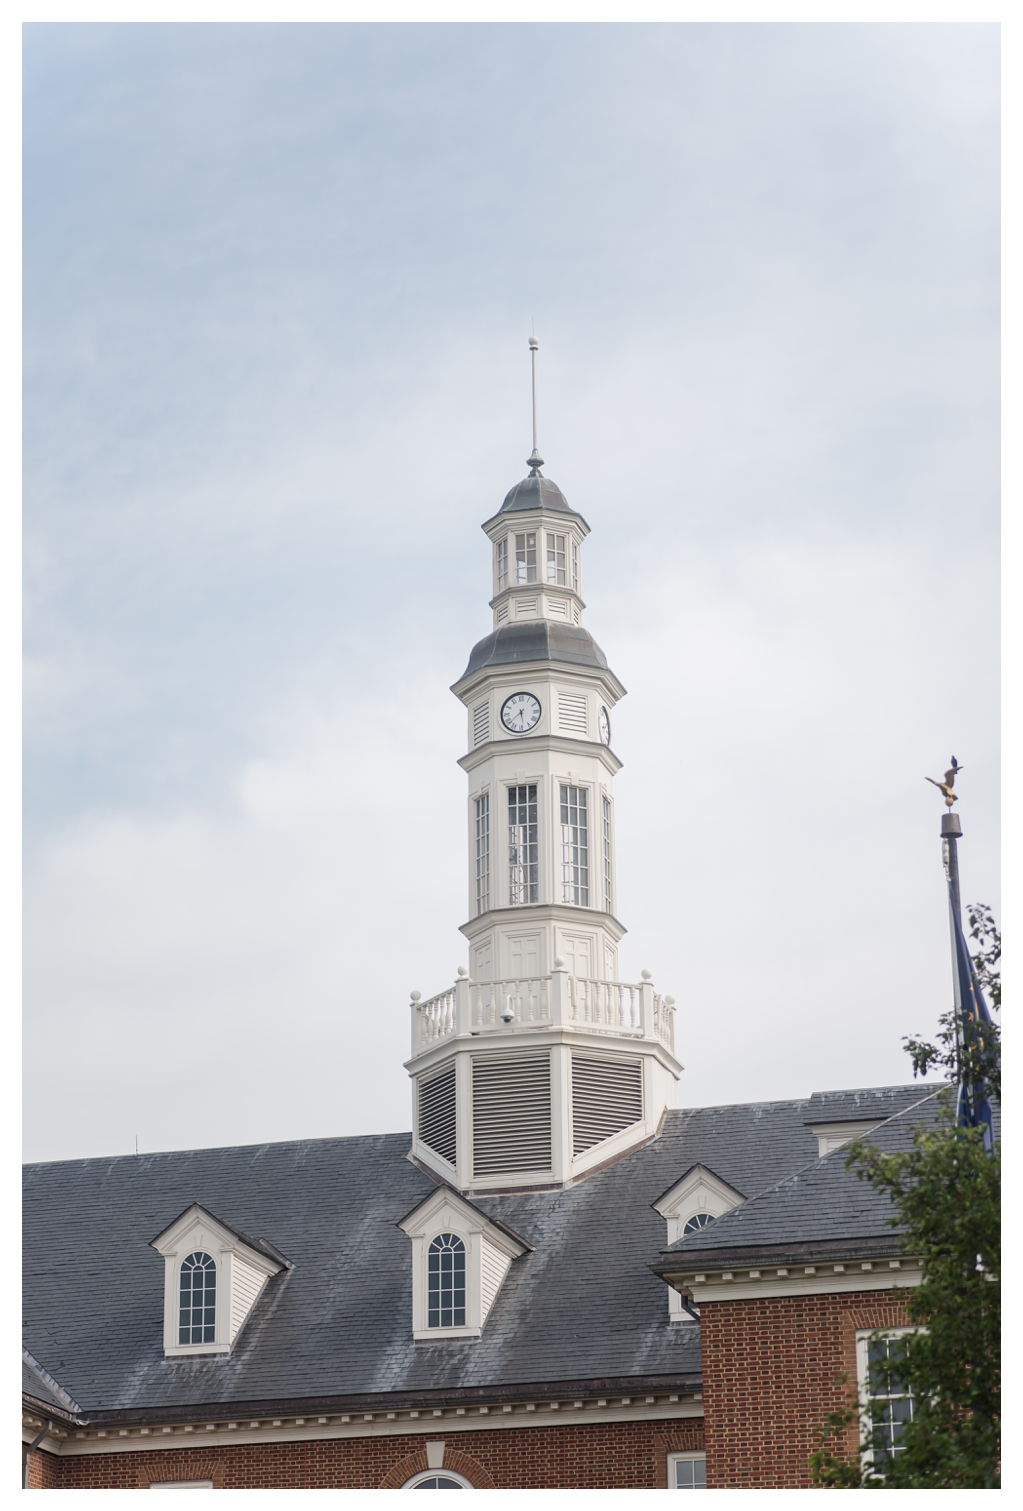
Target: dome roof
column 538, row 640
column 535, row 492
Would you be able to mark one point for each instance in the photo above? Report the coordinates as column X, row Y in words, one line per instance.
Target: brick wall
column 615, row 1455
column 770, row 1371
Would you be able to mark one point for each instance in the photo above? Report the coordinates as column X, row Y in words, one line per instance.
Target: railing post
column 414, row 1005
column 462, row 1001
column 646, row 1006
column 561, row 1011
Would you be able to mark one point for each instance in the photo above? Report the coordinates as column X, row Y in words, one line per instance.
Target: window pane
column 523, row 845
column 575, row 850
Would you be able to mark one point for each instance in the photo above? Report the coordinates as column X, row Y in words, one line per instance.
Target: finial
column 947, row 785
column 535, row 461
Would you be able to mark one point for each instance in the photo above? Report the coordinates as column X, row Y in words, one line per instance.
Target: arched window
column 446, row 1289
column 700, row 1220
column 437, row 1479
column 197, row 1315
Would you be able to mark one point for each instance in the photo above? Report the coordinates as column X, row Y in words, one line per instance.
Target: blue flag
column 973, row 1107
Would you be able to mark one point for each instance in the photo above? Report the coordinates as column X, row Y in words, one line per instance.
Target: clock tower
column 539, row 1064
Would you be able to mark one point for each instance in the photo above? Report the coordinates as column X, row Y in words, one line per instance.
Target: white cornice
column 542, row 1036
column 541, row 1411
column 744, row 1283
column 563, row 744
column 510, row 673
column 526, row 914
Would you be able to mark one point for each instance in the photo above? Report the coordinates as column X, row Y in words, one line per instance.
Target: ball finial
column 416, row 996
column 463, row 970
column 533, row 343
column 647, row 975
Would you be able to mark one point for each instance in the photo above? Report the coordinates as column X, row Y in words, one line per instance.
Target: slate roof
column 583, row 1305
column 536, row 640
column 859, row 1106
column 822, row 1207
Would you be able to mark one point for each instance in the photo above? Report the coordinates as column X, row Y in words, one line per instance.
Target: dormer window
column 446, row 1301
column 213, row 1277
column 689, row 1205
column 197, row 1311
column 459, row 1260
column 525, row 557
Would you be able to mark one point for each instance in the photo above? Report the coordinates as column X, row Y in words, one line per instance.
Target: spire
column 534, row 462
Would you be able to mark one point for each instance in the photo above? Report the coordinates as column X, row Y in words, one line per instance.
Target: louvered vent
column 502, row 612
column 525, row 606
column 575, row 614
column 511, row 1115
column 437, row 1113
column 572, row 713
column 481, row 724
column 557, row 606
column 607, row 1096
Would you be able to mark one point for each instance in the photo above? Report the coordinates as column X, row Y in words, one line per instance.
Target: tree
column 946, row 1196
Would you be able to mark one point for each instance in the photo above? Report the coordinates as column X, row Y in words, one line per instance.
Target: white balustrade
column 664, row 1020
column 611, row 1007
column 435, row 1018
column 528, row 1000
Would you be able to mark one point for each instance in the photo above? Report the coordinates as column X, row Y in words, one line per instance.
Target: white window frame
column 696, row 1456
column 556, row 558
column 522, row 902
column 484, row 846
column 563, row 846
column 429, row 1474
column 575, row 566
column 501, row 564
column 607, row 853
column 864, row 1337
column 523, row 569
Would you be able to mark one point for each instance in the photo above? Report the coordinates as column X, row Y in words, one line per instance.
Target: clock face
column 605, row 726
column 520, row 713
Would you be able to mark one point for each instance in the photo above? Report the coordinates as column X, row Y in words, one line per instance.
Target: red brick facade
column 770, row 1373
column 615, row 1455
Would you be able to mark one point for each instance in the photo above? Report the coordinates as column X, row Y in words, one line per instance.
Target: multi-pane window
column 502, row 564
column 889, row 1399
column 197, row 1312
column 696, row 1222
column 575, row 846
column 557, row 559
column 606, row 836
column 446, row 1277
column 575, row 567
column 523, row 845
column 525, row 557
column 483, row 853
column 687, row 1471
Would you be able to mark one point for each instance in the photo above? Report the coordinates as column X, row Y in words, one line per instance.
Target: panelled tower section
column 539, row 1064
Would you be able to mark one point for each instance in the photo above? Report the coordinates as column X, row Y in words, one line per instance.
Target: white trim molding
column 242, row 1273
column 833, row 1135
column 744, row 1282
column 489, row 1251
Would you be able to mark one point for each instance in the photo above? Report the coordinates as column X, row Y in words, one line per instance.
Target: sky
column 279, row 284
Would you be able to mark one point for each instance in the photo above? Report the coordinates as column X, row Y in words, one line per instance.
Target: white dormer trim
column 242, row 1272
column 833, row 1135
column 699, row 1190
column 489, row 1251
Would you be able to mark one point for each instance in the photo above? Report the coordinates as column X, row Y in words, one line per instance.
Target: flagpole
column 951, row 834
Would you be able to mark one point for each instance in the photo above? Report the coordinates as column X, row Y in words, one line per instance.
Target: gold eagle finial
column 948, row 784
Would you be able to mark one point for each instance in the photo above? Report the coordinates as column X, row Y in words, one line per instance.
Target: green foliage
column 945, row 1193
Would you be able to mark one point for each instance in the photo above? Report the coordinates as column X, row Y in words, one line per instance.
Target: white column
column 463, row 1119
column 561, row 1111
